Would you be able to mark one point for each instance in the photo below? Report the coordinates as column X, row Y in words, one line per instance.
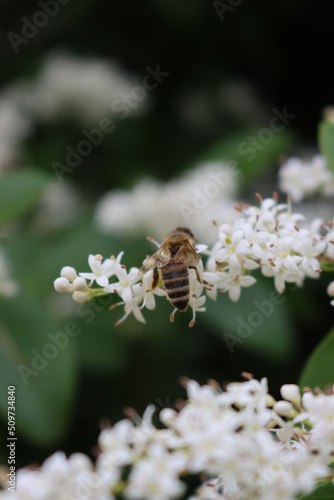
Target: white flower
column 124, row 286
column 280, row 262
column 101, row 272
column 264, row 218
column 235, row 246
column 155, row 477
column 207, row 276
column 131, row 307
column 145, row 289
column 290, row 392
column 256, row 239
column 114, row 442
column 196, row 303
column 221, row 280
column 235, row 283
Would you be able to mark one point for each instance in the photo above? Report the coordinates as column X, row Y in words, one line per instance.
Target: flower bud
column 284, row 408
column 62, row 285
column 69, row 273
column 308, row 401
column 330, row 289
column 167, row 416
column 290, row 392
column 270, row 401
column 81, row 297
column 80, row 284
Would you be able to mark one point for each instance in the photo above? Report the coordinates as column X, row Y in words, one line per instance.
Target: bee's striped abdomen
column 176, row 282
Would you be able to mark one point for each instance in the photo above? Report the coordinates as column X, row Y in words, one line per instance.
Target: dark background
column 283, row 52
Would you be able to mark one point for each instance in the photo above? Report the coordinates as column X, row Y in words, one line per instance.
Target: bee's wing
column 187, row 255
column 159, row 259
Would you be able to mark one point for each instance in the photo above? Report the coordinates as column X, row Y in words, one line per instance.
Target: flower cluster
column 14, row 128
column 135, row 291
column 270, row 238
column 194, row 199
column 300, row 178
column 239, row 442
column 67, row 86
column 82, row 87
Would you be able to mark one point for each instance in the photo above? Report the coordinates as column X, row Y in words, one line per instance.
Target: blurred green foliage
column 319, row 369
column 324, row 491
column 19, row 191
column 326, row 138
column 266, row 49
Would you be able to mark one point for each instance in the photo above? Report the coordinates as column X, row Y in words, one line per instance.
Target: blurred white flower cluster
column 78, row 87
column 67, row 86
column 239, row 442
column 60, row 205
column 8, row 286
column 300, row 178
column 14, row 128
column 199, row 196
column 269, row 237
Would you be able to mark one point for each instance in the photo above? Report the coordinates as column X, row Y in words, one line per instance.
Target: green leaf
column 319, row 368
column 45, row 393
column 259, row 322
column 326, row 138
column 20, row 191
column 324, row 491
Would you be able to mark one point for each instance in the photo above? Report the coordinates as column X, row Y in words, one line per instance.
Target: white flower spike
column 270, row 238
column 237, row 443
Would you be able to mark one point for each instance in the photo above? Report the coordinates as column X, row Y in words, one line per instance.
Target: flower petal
column 102, row 281
column 126, row 294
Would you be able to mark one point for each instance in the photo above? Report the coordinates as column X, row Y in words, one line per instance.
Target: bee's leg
column 155, row 278
column 199, row 279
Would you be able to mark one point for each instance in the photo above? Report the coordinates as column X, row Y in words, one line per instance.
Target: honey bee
column 175, row 256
